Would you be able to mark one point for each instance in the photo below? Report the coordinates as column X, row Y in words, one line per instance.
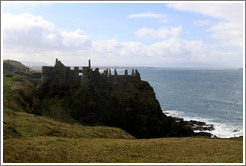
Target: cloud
column 159, row 17
column 75, row 40
column 159, row 34
column 34, row 32
column 228, row 29
column 146, row 15
column 204, row 22
column 14, row 5
column 26, row 29
column 27, row 37
column 228, row 33
column 228, row 11
column 113, row 48
column 168, row 52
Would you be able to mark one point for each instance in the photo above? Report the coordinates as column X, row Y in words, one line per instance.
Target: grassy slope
column 106, row 150
column 31, row 138
column 19, row 66
column 17, row 123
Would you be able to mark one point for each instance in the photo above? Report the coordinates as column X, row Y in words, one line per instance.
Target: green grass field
column 32, row 138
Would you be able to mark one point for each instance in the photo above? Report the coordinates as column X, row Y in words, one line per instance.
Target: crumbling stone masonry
column 85, row 74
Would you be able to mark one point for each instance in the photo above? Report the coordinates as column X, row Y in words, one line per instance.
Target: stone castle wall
column 85, row 75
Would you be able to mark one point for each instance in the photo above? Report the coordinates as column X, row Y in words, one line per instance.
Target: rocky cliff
column 130, row 105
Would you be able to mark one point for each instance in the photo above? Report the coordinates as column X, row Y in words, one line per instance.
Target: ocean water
column 214, row 96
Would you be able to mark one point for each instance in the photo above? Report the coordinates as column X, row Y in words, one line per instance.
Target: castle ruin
column 85, row 74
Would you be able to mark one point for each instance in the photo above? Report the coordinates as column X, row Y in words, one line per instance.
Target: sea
column 213, row 96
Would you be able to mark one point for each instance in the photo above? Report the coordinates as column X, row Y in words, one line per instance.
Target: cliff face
column 130, row 105
column 122, row 101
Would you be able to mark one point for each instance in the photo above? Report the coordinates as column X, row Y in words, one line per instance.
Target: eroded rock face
column 130, row 105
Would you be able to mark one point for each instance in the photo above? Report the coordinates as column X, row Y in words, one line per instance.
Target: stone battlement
column 85, row 74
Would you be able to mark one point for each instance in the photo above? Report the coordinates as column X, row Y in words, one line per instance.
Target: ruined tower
column 65, row 74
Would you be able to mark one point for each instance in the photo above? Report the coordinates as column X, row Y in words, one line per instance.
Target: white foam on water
column 226, row 131
column 221, row 130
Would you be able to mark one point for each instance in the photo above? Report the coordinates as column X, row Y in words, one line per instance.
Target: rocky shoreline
column 200, row 128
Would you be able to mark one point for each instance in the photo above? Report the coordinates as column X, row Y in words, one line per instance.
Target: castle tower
column 133, row 72
column 126, row 72
column 109, row 72
column 115, row 72
column 106, row 72
column 89, row 64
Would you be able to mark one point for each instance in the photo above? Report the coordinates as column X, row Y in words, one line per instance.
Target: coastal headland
column 82, row 115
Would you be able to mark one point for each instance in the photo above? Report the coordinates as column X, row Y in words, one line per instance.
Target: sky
column 181, row 34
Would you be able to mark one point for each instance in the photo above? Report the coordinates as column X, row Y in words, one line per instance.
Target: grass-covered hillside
column 18, row 123
column 14, row 67
column 36, row 138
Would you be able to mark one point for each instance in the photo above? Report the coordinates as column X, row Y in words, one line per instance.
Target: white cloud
column 24, row 21
column 168, row 52
column 23, row 4
column 33, row 35
column 27, row 29
column 229, row 30
column 113, row 48
column 159, row 17
column 204, row 22
column 176, row 48
column 146, row 15
column 75, row 40
column 228, row 33
column 159, row 34
column 27, row 37
column 228, row 11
